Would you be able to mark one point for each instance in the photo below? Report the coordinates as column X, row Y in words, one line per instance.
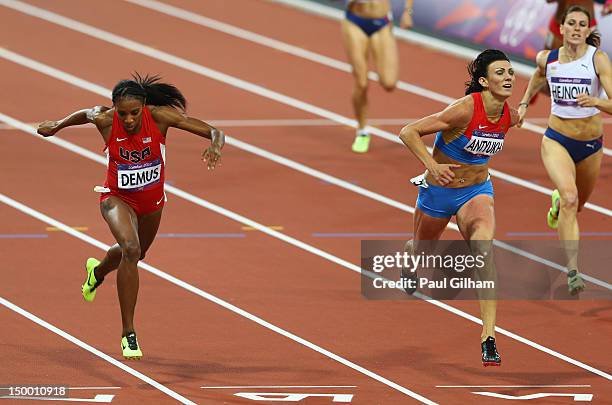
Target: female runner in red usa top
column 135, row 171
column 469, row 132
column 132, row 199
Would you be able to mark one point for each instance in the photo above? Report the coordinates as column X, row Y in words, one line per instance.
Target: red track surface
column 190, row 342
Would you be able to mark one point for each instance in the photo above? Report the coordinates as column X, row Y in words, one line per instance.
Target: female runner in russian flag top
column 457, row 183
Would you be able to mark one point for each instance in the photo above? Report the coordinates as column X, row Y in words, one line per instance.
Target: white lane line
column 82, row 344
column 281, row 386
column 297, row 243
column 286, row 122
column 298, row 122
column 281, row 122
column 577, row 397
column 73, row 80
column 238, row 83
column 250, row 36
column 513, row 386
column 182, row 284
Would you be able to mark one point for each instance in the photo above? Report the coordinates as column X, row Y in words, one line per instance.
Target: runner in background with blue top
column 368, row 28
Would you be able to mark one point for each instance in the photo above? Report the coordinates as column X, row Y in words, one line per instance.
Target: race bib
column 485, row 143
column 564, row 90
column 138, row 176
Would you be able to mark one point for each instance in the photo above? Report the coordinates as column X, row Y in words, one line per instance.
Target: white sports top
column 567, row 80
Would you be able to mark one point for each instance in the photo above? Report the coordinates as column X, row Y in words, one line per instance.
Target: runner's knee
column 409, row 247
column 361, row 85
column 131, row 250
column 569, row 199
column 481, row 246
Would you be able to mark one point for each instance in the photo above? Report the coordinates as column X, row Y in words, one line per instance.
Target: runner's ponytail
column 151, row 91
column 594, row 39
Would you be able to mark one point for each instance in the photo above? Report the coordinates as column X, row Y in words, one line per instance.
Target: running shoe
column 91, row 284
column 553, row 212
column 130, row 348
column 575, row 283
column 490, row 357
column 361, row 143
column 409, row 280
